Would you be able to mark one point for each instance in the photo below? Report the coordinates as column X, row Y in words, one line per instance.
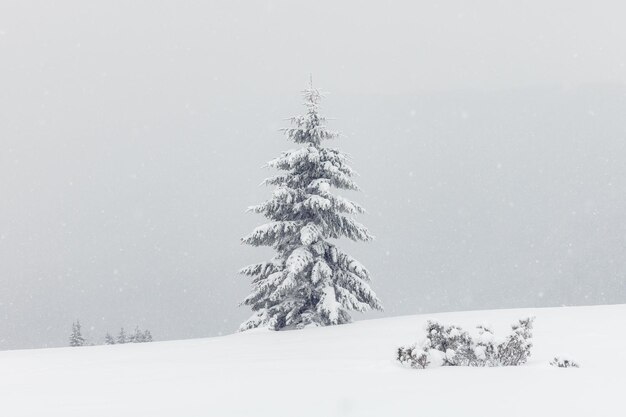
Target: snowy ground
column 340, row 371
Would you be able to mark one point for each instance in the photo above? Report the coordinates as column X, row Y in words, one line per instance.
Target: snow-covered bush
column 413, row 356
column 453, row 343
column 485, row 347
column 562, row 362
column 453, row 346
column 515, row 350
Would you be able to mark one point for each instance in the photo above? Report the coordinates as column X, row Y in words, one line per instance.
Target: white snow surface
column 347, row 370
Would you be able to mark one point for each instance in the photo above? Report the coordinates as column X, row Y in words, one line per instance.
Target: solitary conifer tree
column 310, row 281
column 76, row 338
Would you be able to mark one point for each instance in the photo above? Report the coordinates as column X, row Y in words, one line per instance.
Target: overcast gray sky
column 489, row 135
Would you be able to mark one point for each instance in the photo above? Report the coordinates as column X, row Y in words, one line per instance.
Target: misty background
column 489, row 136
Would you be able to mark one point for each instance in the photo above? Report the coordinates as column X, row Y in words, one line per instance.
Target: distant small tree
column 122, row 337
column 132, row 337
column 108, row 339
column 147, row 336
column 136, row 336
column 76, row 338
column 139, row 336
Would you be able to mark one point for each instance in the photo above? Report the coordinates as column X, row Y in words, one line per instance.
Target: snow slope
column 344, row 370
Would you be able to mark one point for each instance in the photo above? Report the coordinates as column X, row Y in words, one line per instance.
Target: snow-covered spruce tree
column 309, row 281
column 76, row 338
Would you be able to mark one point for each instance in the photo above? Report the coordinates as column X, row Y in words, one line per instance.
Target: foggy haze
column 489, row 138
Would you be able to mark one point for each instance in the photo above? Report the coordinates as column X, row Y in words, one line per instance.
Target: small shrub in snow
column 515, row 350
column 485, row 347
column 453, row 346
column 561, row 362
column 413, row 356
column 453, row 343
